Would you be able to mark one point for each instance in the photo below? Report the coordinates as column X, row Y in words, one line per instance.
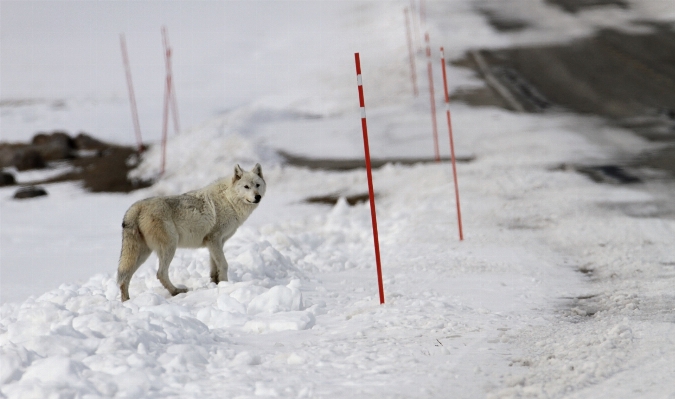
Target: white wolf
column 202, row 218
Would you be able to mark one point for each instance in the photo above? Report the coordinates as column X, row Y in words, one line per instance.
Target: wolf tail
column 134, row 250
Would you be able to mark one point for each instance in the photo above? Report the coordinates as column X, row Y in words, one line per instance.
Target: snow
column 561, row 288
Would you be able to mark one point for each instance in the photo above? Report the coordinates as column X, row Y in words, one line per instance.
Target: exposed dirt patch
column 332, row 199
column 581, row 308
column 663, row 159
column 100, row 166
column 30, row 192
column 609, row 174
column 502, row 23
column 643, row 210
column 481, row 97
column 350, row 164
column 574, row 6
column 105, row 172
column 612, row 174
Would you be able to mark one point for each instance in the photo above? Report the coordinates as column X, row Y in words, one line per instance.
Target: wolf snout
column 257, row 198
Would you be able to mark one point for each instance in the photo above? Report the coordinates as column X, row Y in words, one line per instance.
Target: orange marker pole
column 416, row 25
column 452, row 145
column 132, row 96
column 437, row 155
column 171, row 87
column 364, row 127
column 169, row 98
column 411, row 54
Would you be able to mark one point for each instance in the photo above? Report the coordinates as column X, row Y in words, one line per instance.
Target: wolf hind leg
column 125, row 279
column 162, row 238
column 165, row 256
column 134, row 253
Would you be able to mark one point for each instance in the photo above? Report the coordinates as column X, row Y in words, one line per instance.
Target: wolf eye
column 257, row 185
column 246, row 187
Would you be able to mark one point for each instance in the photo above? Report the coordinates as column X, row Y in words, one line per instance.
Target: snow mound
column 81, row 340
column 211, row 149
column 582, row 360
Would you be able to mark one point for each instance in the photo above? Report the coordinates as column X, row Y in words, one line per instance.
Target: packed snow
column 561, row 288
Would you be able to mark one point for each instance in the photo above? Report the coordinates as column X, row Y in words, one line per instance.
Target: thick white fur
column 202, row 218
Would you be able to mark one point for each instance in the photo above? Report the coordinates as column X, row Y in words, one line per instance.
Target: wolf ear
column 238, row 173
column 257, row 169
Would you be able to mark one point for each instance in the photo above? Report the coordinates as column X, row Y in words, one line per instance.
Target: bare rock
column 6, row 155
column 60, row 138
column 55, row 146
column 29, row 192
column 27, row 158
column 7, row 179
column 84, row 141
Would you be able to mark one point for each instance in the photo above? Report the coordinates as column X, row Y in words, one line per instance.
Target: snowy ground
column 561, row 288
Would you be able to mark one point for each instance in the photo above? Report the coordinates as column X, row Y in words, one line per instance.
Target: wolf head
column 249, row 186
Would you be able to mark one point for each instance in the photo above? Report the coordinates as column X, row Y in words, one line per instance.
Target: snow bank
column 211, row 149
column 573, row 358
column 81, row 340
column 562, row 287
column 299, row 315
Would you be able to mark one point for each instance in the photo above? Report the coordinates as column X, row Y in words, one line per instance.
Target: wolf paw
column 217, row 280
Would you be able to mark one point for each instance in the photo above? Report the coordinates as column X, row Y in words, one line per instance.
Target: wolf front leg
column 218, row 261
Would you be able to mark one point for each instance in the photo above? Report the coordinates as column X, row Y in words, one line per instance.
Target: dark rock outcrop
column 7, row 179
column 30, row 192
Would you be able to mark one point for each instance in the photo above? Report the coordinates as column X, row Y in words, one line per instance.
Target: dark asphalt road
column 628, row 79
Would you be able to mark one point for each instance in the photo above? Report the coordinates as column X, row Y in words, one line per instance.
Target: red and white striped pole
column 437, row 155
column 366, row 149
column 452, row 145
column 411, row 54
column 132, row 96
